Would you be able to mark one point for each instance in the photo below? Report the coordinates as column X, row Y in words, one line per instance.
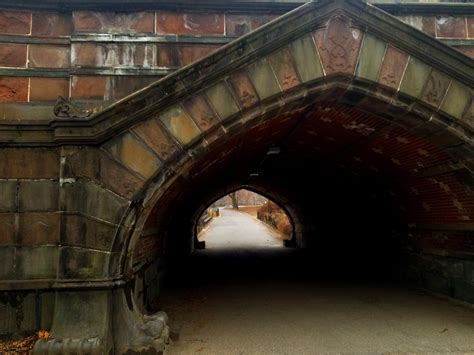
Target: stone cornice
column 191, row 79
column 261, row 6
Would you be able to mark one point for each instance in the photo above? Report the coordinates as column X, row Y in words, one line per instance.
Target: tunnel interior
column 364, row 191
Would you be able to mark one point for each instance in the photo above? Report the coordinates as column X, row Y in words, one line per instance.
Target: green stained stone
column 370, row 58
column 222, row 100
column 306, row 58
column 456, row 100
column 181, row 126
column 415, row 77
column 263, row 79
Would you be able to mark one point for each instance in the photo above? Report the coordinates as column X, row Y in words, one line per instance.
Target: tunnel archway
column 354, row 104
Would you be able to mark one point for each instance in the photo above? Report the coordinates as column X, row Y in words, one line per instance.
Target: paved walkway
column 234, row 299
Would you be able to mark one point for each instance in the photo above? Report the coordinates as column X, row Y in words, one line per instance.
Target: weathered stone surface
column 124, row 85
column 263, row 79
column 81, row 231
column 457, row 99
column 338, row 46
column 113, row 55
column 393, row 67
column 38, row 195
column 237, row 25
column 243, row 89
column 306, row 58
column 52, row 24
column 435, row 88
column 8, row 193
column 78, row 263
column 13, row 55
column 157, row 139
column 48, row 89
column 88, row 87
column 470, row 26
column 282, row 64
column 29, row 112
column 199, row 110
column 134, row 154
column 15, row 22
column 173, row 55
column 191, row 53
column 13, row 89
column 113, row 22
column 370, row 58
column 8, row 230
column 467, row 50
column 93, row 200
column 451, row 27
column 180, row 125
column 47, row 56
column 189, row 24
column 424, row 23
column 415, row 77
column 37, row 262
column 39, row 228
column 7, row 266
column 29, row 163
column 222, row 100
column 97, row 165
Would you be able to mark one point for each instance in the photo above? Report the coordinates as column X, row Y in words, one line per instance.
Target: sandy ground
column 245, row 294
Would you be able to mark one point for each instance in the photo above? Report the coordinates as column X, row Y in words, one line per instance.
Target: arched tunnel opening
column 359, row 189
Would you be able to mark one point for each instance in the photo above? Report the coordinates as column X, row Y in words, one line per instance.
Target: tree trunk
column 235, row 201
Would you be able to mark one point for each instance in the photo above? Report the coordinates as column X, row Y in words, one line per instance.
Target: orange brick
column 13, row 55
column 191, row 23
column 451, row 26
column 88, row 87
column 48, row 89
column 46, row 56
column 51, row 24
column 15, row 22
column 112, row 22
column 13, row 89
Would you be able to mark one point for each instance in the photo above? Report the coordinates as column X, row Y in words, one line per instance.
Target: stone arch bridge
column 373, row 120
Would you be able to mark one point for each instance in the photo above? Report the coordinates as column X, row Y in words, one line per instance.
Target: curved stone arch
column 332, row 53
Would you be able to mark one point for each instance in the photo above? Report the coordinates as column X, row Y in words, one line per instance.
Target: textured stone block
column 238, row 25
column 25, row 163
column 99, row 166
column 8, row 193
column 435, row 88
column 93, row 200
column 191, row 53
column 424, row 23
column 451, row 27
column 393, row 67
column 157, row 139
column 114, row 55
column 39, row 228
column 282, row 64
column 306, row 58
column 8, row 229
column 85, row 232
column 13, row 55
column 13, row 89
column 338, row 46
column 222, row 100
column 37, row 262
column 88, row 87
column 38, row 195
column 370, row 58
column 113, row 22
column 263, row 79
column 134, row 154
column 457, row 99
column 180, row 125
column 7, row 266
column 414, row 80
column 470, row 26
column 201, row 112
column 76, row 263
column 121, row 85
column 15, row 22
column 189, row 24
column 51, row 24
column 48, row 89
column 243, row 89
column 467, row 50
column 46, row 56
